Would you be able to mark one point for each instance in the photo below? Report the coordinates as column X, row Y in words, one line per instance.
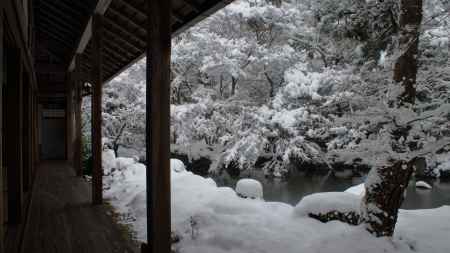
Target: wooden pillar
column 69, row 118
column 36, row 130
column 97, row 194
column 158, row 126
column 14, row 138
column 33, row 132
column 2, row 200
column 78, row 120
column 26, row 134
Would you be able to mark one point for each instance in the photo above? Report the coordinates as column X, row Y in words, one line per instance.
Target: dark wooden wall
column 18, row 120
column 2, row 199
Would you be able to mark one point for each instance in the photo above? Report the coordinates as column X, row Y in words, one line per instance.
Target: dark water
column 292, row 190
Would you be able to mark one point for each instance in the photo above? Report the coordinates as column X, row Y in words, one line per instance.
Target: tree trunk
column 385, row 191
column 405, row 69
column 221, row 86
column 233, row 85
column 386, row 185
column 116, row 149
column 271, row 83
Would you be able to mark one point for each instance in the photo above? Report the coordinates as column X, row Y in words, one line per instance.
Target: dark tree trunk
column 405, row 69
column 233, row 85
column 221, row 86
column 385, row 185
column 385, row 188
column 271, row 83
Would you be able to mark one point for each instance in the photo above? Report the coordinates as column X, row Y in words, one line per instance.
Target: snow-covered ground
column 213, row 219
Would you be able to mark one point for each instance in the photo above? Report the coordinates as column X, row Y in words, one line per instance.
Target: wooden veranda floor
column 63, row 220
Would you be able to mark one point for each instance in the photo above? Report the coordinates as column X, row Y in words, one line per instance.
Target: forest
column 350, row 88
column 308, row 85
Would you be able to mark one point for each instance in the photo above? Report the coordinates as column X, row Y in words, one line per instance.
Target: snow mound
column 325, row 202
column 108, row 160
column 249, row 188
column 359, row 190
column 177, row 165
column 423, row 185
column 123, row 162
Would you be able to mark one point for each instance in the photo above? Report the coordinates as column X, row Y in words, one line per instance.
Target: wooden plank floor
column 62, row 219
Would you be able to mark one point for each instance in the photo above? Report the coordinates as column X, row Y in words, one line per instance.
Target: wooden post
column 33, row 131
column 69, row 118
column 78, row 124
column 13, row 136
column 26, row 128
column 2, row 200
column 97, row 173
column 158, row 126
column 36, row 129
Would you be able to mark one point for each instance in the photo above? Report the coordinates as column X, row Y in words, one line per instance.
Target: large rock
column 198, row 166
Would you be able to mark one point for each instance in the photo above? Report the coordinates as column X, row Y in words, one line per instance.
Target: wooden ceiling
column 60, row 24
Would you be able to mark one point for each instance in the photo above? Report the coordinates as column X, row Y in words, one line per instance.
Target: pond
column 293, row 189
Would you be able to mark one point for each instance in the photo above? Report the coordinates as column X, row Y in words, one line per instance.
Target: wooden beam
column 193, row 5
column 102, row 6
column 108, row 61
column 69, row 118
column 49, row 68
column 61, row 5
column 78, row 120
column 137, row 26
column 131, row 44
column 62, row 16
column 132, row 7
column 26, row 132
column 76, row 4
column 2, row 200
column 97, row 173
column 209, row 8
column 114, row 54
column 54, row 36
column 177, row 17
column 111, row 43
column 73, row 12
column 55, row 22
column 124, row 30
column 158, row 126
column 136, row 9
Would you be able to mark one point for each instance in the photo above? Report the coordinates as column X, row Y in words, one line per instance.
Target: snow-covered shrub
column 327, row 206
column 249, row 188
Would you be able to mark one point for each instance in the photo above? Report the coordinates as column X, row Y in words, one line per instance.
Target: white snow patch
column 359, row 190
column 177, row 165
column 423, row 185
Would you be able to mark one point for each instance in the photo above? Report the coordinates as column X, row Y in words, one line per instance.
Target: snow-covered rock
column 124, row 162
column 325, row 202
column 423, row 185
column 177, row 165
column 359, row 190
column 249, row 188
